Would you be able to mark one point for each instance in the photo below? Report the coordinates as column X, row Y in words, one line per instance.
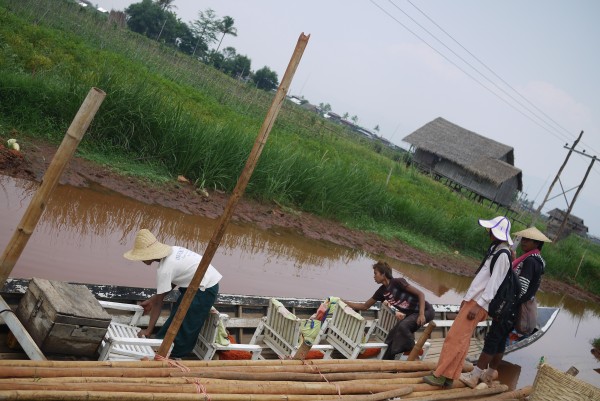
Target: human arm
column 153, row 306
column 360, row 305
column 492, row 283
column 421, row 320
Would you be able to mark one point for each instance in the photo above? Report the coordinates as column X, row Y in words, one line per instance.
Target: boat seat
column 121, row 341
column 346, row 333
column 280, row 330
column 207, row 345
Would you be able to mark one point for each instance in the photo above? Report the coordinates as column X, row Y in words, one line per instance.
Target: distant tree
column 346, row 115
column 166, row 4
column 205, row 28
column 354, row 119
column 234, row 64
column 149, row 19
column 265, row 79
column 376, row 129
column 226, row 28
column 377, row 147
column 325, row 108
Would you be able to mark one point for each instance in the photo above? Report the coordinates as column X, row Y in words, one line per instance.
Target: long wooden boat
column 245, row 313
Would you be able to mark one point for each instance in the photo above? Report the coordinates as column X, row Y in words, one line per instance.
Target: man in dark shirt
column 412, row 311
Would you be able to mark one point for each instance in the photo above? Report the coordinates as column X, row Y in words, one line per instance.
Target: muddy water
column 84, row 232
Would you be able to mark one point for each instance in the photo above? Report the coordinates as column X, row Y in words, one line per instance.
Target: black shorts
column 495, row 340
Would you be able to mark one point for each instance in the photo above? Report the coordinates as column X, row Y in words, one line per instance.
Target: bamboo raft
column 267, row 380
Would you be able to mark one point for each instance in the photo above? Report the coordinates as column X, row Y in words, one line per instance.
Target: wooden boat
column 245, row 313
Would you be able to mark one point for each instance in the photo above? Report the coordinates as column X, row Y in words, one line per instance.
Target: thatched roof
column 475, row 153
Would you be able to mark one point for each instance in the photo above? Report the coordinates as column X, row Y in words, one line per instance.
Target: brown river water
column 83, row 234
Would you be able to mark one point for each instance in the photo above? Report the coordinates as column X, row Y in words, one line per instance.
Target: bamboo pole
column 213, row 388
column 419, row 345
column 375, row 397
column 238, row 191
column 461, row 395
column 33, row 395
column 34, row 211
column 256, row 376
column 392, row 364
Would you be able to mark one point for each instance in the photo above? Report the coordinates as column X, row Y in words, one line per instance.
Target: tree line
column 156, row 20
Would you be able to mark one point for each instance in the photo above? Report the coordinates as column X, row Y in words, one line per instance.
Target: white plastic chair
column 207, row 345
column 386, row 319
column 121, row 341
column 346, row 333
column 280, row 331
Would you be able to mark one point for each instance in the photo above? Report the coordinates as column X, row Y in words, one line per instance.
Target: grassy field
column 166, row 114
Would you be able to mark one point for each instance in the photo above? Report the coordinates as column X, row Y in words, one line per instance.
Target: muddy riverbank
column 35, row 156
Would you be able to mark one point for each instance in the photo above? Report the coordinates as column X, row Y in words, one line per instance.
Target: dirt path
column 35, row 156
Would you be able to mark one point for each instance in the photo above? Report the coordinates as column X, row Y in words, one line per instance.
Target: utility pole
column 571, row 149
column 576, row 194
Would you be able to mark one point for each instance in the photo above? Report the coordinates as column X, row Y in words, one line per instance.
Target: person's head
column 382, row 270
column 532, row 238
column 147, row 249
column 499, row 228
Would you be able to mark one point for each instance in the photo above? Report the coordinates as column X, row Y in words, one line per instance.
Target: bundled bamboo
column 346, row 380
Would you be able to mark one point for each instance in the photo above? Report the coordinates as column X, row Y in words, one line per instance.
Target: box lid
column 70, row 299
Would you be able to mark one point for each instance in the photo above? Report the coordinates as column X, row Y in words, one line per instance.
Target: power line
column 488, row 68
column 478, row 71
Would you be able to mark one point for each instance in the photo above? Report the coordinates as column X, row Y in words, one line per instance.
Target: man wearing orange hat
column 176, row 267
column 529, row 267
column 474, row 307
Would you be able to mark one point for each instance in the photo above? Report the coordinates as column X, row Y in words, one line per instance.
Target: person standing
column 529, row 267
column 412, row 311
column 474, row 306
column 176, row 267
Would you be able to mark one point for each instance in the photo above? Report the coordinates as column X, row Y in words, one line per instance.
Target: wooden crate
column 63, row 318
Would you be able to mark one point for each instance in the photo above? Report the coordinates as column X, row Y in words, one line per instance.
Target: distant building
column 479, row 164
column 574, row 224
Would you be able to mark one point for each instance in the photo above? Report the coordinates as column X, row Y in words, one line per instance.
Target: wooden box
column 63, row 318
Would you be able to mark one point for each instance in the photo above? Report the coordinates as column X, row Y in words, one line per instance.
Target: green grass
column 166, row 114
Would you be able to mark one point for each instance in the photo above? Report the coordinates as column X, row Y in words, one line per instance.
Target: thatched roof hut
column 480, row 164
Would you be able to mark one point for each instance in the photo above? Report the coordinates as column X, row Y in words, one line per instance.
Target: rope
column 172, row 363
column 200, row 388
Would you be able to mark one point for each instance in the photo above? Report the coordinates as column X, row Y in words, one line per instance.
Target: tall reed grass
column 169, row 113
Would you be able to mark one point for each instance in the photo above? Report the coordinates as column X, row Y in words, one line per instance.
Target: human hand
column 473, row 312
column 400, row 315
column 144, row 333
column 421, row 320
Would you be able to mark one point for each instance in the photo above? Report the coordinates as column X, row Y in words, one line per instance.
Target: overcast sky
column 524, row 73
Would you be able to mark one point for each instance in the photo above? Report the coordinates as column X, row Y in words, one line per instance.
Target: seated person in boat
column 412, row 311
column 176, row 267
column 475, row 304
column 529, row 267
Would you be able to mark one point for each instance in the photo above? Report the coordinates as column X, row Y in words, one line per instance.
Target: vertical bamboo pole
column 238, row 191
column 419, row 345
column 32, row 215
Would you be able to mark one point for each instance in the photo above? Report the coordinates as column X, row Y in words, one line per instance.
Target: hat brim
column 533, row 234
column 155, row 251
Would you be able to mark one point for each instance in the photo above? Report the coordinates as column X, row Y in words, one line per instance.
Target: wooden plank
column 25, row 340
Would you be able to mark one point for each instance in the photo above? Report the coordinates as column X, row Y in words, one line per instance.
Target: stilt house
column 467, row 160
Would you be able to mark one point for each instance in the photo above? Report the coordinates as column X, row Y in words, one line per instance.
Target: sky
column 523, row 73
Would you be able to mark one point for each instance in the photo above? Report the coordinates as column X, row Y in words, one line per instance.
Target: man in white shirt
column 176, row 268
column 474, row 307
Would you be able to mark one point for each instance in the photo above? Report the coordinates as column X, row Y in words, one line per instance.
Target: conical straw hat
column 147, row 247
column 532, row 233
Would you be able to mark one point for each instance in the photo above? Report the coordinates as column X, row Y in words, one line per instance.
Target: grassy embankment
column 166, row 114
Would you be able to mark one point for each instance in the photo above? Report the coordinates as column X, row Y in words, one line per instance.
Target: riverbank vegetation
column 167, row 114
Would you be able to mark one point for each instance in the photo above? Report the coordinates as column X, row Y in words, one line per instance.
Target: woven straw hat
column 147, row 247
column 499, row 226
column 532, row 233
